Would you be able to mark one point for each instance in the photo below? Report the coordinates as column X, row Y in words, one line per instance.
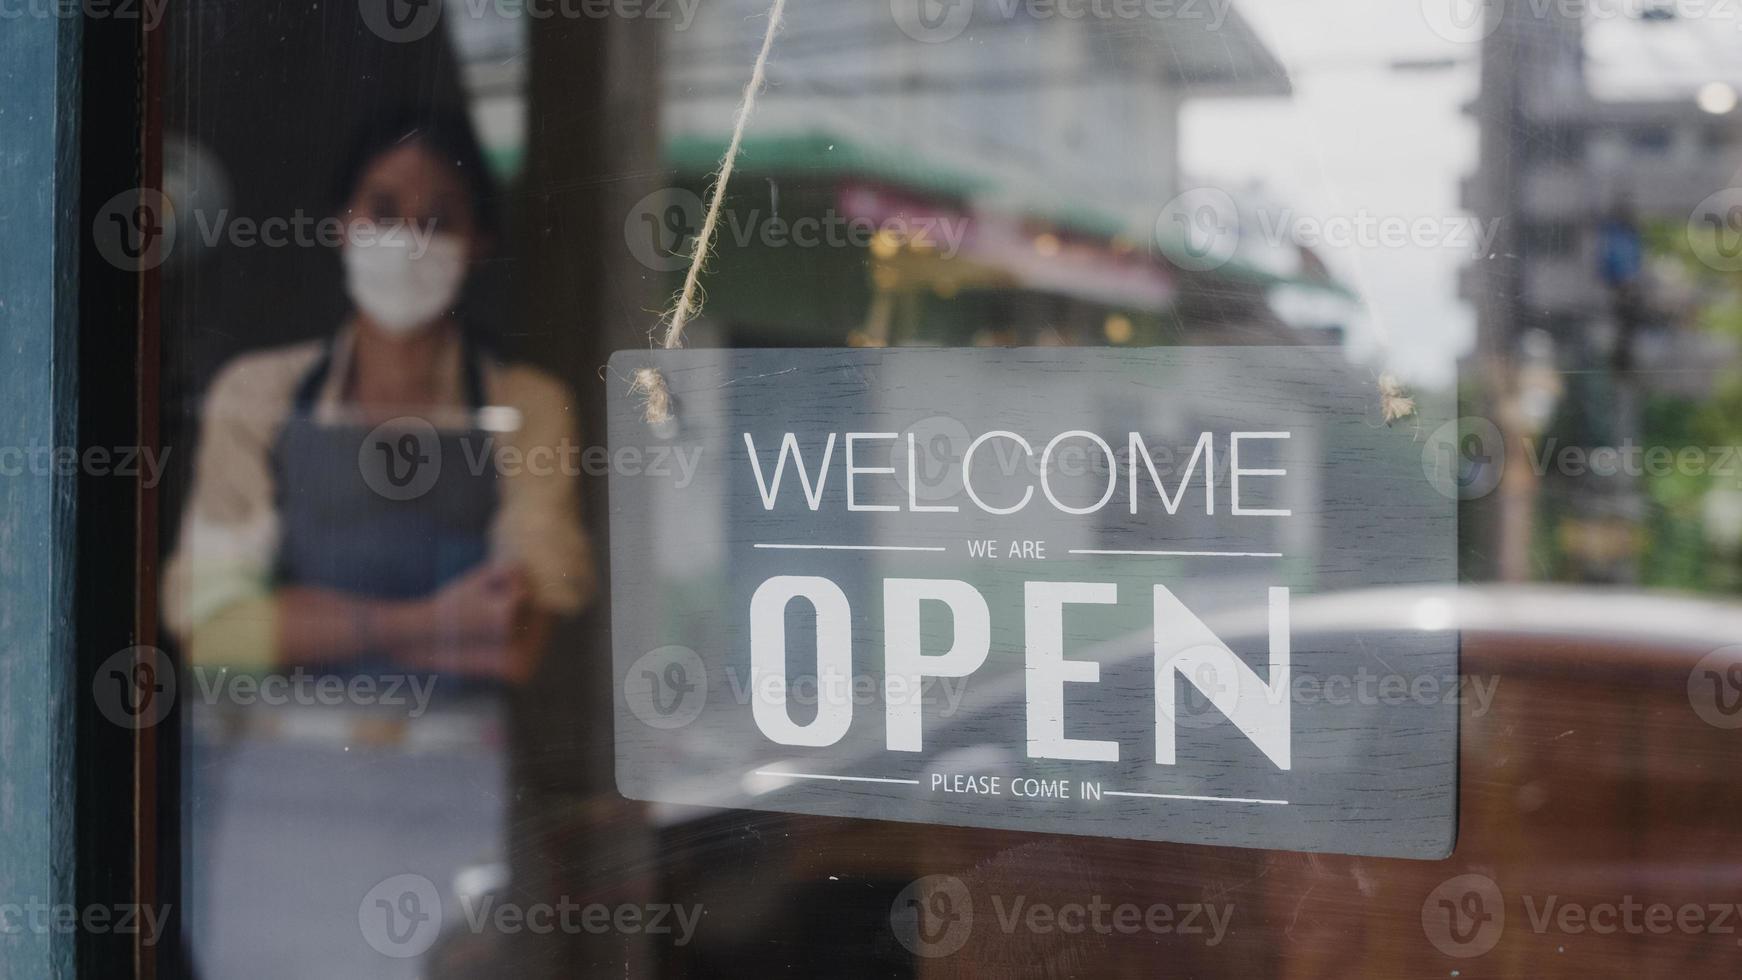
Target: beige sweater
column 218, row 588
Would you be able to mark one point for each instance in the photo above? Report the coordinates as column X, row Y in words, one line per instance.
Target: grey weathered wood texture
column 1372, row 773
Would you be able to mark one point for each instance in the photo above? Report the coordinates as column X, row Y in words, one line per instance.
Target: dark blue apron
column 339, row 533
column 289, row 828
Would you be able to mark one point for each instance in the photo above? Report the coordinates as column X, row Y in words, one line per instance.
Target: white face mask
column 403, row 287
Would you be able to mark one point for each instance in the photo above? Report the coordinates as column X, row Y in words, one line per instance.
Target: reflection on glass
column 1530, row 210
column 360, row 577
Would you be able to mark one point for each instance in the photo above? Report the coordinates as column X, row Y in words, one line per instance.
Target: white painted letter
column 854, row 470
column 1204, row 448
column 967, row 471
column 768, row 660
column 905, row 664
column 1049, row 671
column 1112, row 471
column 1235, row 473
column 913, row 503
column 790, row 444
column 1259, row 709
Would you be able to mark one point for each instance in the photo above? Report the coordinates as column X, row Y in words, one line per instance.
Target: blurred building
column 1602, row 132
column 1601, row 137
column 1057, row 219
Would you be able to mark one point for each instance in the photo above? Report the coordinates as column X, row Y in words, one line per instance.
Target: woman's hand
column 476, row 609
column 479, row 625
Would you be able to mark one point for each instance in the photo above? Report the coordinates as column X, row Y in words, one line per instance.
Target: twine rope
column 648, row 382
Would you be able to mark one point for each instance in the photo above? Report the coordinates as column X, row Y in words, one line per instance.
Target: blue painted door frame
column 39, row 250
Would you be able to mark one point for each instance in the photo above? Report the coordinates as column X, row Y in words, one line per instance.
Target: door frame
column 79, row 831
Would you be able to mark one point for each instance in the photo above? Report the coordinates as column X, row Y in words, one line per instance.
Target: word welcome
column 813, row 483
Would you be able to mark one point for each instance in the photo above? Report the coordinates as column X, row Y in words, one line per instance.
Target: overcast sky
column 1359, row 139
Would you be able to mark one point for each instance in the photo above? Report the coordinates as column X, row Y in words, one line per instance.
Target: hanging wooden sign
column 1080, row 591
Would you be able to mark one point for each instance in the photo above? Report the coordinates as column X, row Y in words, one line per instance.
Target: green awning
column 820, row 154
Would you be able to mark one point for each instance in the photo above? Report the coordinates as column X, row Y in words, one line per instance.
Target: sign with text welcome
column 1111, row 592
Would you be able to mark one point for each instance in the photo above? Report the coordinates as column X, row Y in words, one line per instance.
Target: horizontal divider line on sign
column 847, row 547
column 1180, row 554
column 1199, row 799
column 843, row 779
